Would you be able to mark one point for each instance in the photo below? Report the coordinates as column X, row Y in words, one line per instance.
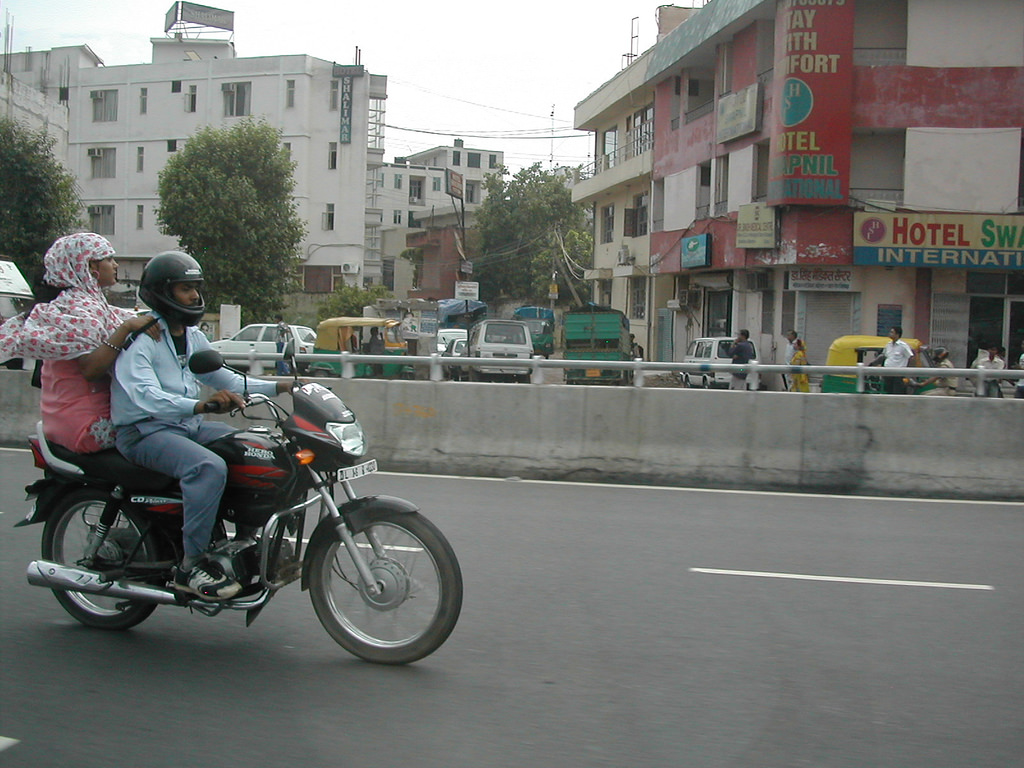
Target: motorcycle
column 383, row 580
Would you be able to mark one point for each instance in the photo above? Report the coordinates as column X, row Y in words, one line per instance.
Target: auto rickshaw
column 851, row 350
column 337, row 334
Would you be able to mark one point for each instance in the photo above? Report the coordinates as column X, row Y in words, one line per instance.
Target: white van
column 714, row 350
column 501, row 339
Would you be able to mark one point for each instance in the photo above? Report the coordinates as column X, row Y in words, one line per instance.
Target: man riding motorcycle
column 156, row 406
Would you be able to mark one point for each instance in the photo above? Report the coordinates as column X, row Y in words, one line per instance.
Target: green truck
column 596, row 333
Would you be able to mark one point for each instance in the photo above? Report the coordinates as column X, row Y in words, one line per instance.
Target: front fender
column 357, row 514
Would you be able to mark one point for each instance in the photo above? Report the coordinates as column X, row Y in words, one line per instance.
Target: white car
column 447, row 335
column 714, row 350
column 500, row 340
column 262, row 338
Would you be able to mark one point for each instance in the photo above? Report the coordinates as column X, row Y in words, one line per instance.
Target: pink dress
column 76, row 412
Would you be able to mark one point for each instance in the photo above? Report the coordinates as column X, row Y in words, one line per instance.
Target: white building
column 125, row 121
column 411, row 193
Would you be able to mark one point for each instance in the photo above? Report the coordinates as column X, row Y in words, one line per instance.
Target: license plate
column 359, row 470
column 593, row 373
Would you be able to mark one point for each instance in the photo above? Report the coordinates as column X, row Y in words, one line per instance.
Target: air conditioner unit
column 672, row 304
column 692, row 297
column 94, row 152
column 227, row 87
column 348, row 268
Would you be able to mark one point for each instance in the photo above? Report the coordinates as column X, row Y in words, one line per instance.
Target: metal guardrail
column 435, row 363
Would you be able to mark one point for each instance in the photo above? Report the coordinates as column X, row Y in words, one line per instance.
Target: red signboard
column 813, row 88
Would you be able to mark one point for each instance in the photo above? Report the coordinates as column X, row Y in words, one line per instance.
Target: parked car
column 501, row 340
column 446, row 335
column 455, row 348
column 716, row 349
column 262, row 337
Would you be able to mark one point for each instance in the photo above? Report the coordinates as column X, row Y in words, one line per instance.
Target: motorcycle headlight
column 350, row 436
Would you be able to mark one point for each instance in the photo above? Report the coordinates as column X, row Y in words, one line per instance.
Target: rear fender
column 357, row 514
column 46, row 492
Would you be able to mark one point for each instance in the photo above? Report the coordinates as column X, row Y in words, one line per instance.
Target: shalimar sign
column 809, row 156
column 953, row 241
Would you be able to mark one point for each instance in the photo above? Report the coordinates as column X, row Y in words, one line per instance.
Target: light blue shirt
column 152, row 383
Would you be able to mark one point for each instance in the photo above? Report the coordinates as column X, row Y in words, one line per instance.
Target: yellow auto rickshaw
column 348, row 334
column 851, row 350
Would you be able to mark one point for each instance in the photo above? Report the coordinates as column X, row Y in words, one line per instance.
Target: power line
column 487, row 135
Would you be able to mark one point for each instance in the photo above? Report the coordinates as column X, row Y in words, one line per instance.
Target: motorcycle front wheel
column 65, row 536
column 420, row 590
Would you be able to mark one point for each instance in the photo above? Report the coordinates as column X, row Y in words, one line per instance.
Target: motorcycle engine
column 238, row 558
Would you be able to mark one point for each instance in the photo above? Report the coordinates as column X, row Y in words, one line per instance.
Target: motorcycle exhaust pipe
column 43, row 573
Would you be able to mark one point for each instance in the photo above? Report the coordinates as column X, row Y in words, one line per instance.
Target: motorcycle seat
column 111, row 468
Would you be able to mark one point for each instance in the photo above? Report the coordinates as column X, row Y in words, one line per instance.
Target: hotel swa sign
column 953, row 241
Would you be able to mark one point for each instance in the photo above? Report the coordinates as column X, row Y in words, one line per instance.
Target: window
column 172, row 145
column 607, row 223
column 175, row 86
column 640, row 131
column 236, row 99
column 638, row 298
column 101, row 219
column 143, row 100
column 411, row 220
column 472, row 192
column 288, row 149
column 335, row 94
column 139, row 216
column 332, row 156
column 104, row 106
column 436, row 184
column 140, row 159
column 456, row 157
column 610, row 147
column 725, row 68
column 635, row 222
column 473, row 159
column 289, row 93
column 398, row 181
column 721, row 182
column 416, row 190
column 396, row 217
column 492, row 161
column 328, row 216
column 103, row 163
column 190, row 98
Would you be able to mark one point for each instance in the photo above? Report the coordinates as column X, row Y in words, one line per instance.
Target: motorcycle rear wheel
column 64, row 539
column 421, row 590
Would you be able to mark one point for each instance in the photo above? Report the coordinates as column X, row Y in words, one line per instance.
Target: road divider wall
column 901, row 445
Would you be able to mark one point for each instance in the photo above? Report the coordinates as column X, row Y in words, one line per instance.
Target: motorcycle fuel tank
column 260, row 474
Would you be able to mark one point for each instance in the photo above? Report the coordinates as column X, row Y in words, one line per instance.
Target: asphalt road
column 602, row 626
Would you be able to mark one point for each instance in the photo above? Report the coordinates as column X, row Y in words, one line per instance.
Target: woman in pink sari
column 78, row 336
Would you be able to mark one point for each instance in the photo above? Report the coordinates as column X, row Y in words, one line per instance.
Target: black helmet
column 160, row 274
column 939, row 353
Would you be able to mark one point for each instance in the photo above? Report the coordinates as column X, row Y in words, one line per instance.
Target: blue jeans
column 282, row 366
column 177, row 449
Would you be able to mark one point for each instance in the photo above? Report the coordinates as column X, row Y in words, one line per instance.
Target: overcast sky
column 482, row 71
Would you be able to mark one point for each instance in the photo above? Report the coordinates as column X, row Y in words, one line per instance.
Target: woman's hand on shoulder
column 137, row 323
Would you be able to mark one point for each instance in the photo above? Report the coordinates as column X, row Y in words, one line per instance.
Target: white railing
column 535, row 367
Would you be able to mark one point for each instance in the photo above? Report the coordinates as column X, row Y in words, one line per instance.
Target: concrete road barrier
column 859, row 444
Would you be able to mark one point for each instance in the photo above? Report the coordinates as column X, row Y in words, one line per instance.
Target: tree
column 522, row 223
column 39, row 199
column 349, row 300
column 227, row 197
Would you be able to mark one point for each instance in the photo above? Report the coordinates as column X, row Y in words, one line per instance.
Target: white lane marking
column 847, row 579
column 6, row 742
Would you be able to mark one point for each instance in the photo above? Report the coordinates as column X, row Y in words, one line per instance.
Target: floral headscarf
column 79, row 319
